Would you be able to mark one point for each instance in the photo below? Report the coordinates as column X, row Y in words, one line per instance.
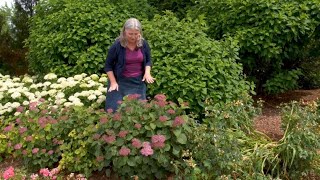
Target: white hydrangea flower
column 15, row 95
column 50, row 76
column 103, row 79
column 83, row 85
column 87, row 79
column 72, row 98
column 84, row 75
column 67, row 104
column 78, row 77
column 60, row 95
column 61, row 79
column 78, row 103
column 25, row 103
column 47, row 83
column 60, row 101
column 97, row 92
column 27, row 79
column 99, row 101
column 33, row 86
column 16, row 79
column 43, row 93
column 92, row 97
column 15, row 104
column 17, row 113
column 94, row 77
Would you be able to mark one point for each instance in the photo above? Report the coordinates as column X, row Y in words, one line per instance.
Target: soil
column 269, row 122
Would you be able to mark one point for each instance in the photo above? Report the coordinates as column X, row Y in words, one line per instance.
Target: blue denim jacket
column 116, row 58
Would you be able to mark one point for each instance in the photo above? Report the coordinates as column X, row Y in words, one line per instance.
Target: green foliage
column 310, row 71
column 178, row 7
column 189, row 65
column 271, row 33
column 74, row 36
column 282, row 82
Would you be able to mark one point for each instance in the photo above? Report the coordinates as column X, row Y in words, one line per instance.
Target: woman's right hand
column 113, row 86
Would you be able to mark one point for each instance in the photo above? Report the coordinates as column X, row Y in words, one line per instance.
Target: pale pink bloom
column 158, row 141
column 122, row 134
column 103, row 120
column 110, row 110
column 23, row 130
column 20, row 109
column 9, row 173
column 138, row 126
column 133, row 96
column 124, row 151
column 163, row 118
column 146, row 151
column 29, row 138
column 161, row 103
column 136, row 143
column 35, row 150
column 34, row 176
column 178, row 121
column 54, row 171
column 43, row 150
column 45, row 172
column 17, row 146
column 42, row 100
column 50, row 152
column 44, row 111
column 119, row 102
column 8, row 128
column 160, row 97
column 109, row 139
column 18, row 120
column 117, row 117
column 171, row 111
column 24, row 152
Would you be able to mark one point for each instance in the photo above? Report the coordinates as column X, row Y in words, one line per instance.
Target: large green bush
column 72, row 36
column 189, row 65
column 271, row 33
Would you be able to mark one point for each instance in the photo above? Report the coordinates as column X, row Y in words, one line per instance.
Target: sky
column 3, row 2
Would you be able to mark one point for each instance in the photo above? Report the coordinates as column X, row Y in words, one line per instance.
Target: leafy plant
column 272, row 34
column 189, row 65
column 73, row 37
column 284, row 81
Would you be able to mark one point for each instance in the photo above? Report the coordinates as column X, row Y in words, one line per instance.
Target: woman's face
column 132, row 35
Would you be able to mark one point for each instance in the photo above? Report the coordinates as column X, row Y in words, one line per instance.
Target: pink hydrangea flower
column 34, row 176
column 20, row 109
column 18, row 121
column 160, row 97
column 9, row 173
column 124, row 151
column 108, row 139
column 17, row 146
column 123, row 134
column 43, row 150
column 96, row 136
column 136, row 143
column 146, row 150
column 22, row 130
column 161, row 103
column 50, row 152
column 171, row 111
column 54, row 171
column 29, row 138
column 35, row 150
column 45, row 172
column 109, row 110
column 24, row 152
column 133, row 96
column 178, row 121
column 163, row 118
column 103, row 120
column 158, row 141
column 117, row 117
column 8, row 128
column 138, row 126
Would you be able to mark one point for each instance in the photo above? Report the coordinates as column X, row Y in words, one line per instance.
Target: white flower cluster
column 79, row 90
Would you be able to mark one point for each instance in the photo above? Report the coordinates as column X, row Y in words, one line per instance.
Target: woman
column 128, row 65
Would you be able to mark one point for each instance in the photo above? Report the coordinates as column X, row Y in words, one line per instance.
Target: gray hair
column 131, row 23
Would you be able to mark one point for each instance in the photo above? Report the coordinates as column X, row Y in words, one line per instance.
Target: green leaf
column 182, row 139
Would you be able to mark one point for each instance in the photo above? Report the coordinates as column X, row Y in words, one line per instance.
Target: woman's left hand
column 148, row 78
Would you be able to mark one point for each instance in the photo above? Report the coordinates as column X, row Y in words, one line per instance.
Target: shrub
column 191, row 66
column 282, row 82
column 272, row 34
column 72, row 37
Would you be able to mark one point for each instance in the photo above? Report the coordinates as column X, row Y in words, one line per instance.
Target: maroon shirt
column 134, row 63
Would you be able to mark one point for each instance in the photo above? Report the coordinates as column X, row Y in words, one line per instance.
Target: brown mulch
column 269, row 122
